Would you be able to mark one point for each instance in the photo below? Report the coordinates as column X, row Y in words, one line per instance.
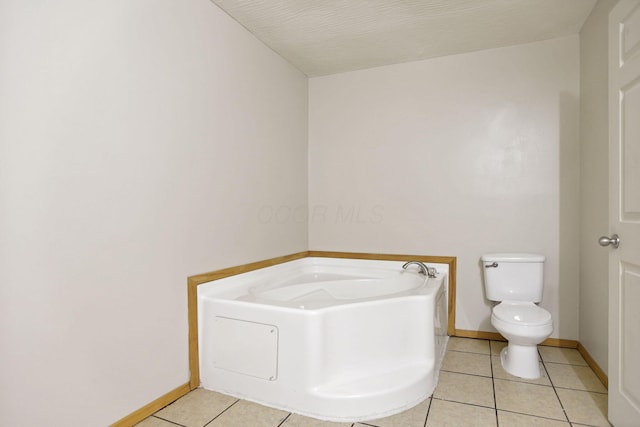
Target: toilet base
column 521, row 360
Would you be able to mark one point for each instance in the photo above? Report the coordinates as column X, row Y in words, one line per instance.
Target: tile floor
column 473, row 390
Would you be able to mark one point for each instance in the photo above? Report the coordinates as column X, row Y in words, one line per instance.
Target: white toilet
column 516, row 281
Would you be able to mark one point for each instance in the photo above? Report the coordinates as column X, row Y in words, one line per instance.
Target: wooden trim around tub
column 153, row 407
column 194, row 281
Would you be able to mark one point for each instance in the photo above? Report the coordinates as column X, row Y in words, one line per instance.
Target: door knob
column 613, row 241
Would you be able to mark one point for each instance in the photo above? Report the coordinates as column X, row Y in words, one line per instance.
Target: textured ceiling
column 323, row 37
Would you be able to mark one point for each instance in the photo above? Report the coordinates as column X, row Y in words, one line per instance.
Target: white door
column 624, row 177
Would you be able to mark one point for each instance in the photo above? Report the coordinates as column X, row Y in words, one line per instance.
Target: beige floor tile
column 154, row 422
column 584, row 407
column 196, row 408
column 561, row 355
column 464, row 396
column 510, row 419
column 413, row 417
column 469, row 345
column 467, row 363
column 499, row 372
column 530, row 399
column 452, row 414
column 497, row 346
column 296, row 420
column 574, row 377
column 245, row 413
column 464, row 388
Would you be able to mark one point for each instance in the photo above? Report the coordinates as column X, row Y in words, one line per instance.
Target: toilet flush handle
column 492, row 265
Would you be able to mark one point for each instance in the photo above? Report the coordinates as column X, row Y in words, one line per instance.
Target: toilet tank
column 513, row 276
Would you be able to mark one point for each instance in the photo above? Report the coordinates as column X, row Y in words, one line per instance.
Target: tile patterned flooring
column 473, row 390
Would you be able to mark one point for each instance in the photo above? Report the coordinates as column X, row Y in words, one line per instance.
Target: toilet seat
column 521, row 313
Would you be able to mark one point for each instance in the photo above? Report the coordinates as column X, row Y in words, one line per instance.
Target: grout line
column 493, row 385
column 470, row 352
column 169, row 421
column 464, row 403
column 225, row 410
column 285, row 419
column 522, row 381
column 554, row 389
column 426, row 418
column 584, row 391
column 503, row 410
column 465, row 373
column 568, row 364
column 534, row 416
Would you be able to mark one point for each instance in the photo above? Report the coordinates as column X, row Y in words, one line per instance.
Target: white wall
column 459, row 155
column 140, row 142
column 594, row 206
column 143, row 142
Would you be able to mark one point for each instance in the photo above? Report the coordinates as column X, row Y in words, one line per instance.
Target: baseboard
column 153, row 407
column 495, row 336
column 557, row 342
column 602, row 376
column 552, row 342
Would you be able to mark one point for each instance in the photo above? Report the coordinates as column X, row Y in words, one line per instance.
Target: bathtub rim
column 194, row 281
column 284, row 284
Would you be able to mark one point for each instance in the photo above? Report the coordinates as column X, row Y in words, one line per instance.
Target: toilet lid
column 523, row 313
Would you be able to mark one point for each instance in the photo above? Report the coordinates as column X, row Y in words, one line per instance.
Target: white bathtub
column 334, row 339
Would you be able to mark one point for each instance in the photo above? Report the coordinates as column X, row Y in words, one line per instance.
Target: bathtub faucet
column 427, row 271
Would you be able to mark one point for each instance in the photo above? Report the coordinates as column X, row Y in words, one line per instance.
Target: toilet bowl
column 515, row 280
column 524, row 325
